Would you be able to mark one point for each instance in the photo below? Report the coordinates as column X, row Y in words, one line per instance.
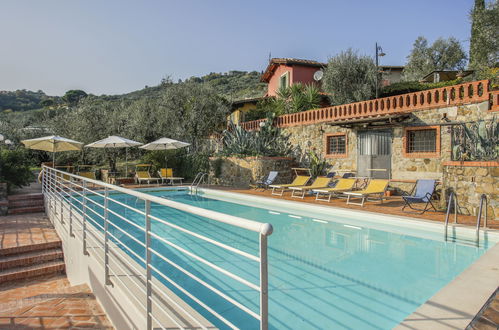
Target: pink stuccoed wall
column 297, row 74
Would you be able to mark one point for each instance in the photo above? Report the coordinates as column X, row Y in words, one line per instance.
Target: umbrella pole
column 53, row 159
column 126, row 162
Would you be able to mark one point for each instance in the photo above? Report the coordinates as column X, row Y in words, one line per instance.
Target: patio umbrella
column 115, row 142
column 52, row 144
column 165, row 144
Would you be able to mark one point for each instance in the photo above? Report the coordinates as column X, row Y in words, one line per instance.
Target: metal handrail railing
column 483, row 198
column 74, row 193
column 197, row 181
column 452, row 198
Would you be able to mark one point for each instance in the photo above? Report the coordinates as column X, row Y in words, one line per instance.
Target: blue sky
column 117, row 46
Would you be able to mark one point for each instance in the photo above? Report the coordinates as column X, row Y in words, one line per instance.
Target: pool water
column 322, row 274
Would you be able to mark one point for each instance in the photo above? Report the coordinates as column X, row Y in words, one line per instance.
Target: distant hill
column 22, row 100
column 233, row 85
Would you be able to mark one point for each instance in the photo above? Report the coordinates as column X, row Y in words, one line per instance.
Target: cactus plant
column 477, row 141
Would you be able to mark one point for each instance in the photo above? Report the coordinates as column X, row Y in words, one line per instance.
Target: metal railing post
column 61, row 204
column 483, row 198
column 264, row 284
column 71, row 200
column 84, row 214
column 106, row 236
column 147, row 211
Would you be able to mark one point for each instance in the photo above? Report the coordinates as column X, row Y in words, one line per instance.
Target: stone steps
column 25, row 203
column 23, row 272
column 29, row 248
column 30, row 258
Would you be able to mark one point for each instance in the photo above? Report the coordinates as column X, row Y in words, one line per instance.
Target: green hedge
column 404, row 87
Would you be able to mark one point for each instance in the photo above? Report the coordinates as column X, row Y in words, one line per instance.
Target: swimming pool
column 340, row 269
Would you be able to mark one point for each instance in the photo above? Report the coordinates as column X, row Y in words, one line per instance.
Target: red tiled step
column 25, row 203
column 30, row 258
column 51, row 267
column 25, row 197
column 30, row 247
column 29, row 209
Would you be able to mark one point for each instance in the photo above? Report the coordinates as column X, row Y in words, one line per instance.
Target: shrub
column 15, row 167
column 318, row 165
column 268, row 141
column 404, row 87
column 185, row 165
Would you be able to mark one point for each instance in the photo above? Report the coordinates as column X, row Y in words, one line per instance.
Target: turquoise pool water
column 321, row 274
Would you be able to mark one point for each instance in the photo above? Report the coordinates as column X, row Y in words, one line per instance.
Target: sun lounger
column 300, row 180
column 142, row 174
column 86, row 171
column 319, row 183
column 375, row 187
column 341, row 186
column 421, row 194
column 166, row 174
column 265, row 182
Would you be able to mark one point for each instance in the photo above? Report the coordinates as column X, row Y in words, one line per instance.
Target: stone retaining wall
column 241, row 172
column 4, row 203
column 469, row 183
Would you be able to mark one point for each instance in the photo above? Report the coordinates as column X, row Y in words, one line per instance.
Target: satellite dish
column 318, row 75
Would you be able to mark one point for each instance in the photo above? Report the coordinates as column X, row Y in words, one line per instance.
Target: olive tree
column 484, row 42
column 349, row 77
column 443, row 54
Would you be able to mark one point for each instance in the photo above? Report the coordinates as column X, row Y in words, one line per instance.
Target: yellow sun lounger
column 341, row 186
column 300, row 180
column 375, row 187
column 142, row 174
column 166, row 174
column 86, row 171
column 320, row 182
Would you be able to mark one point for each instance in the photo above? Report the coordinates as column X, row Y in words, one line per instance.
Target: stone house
column 284, row 72
column 408, row 137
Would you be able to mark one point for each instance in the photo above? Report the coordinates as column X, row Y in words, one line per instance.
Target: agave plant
column 268, row 141
column 318, row 166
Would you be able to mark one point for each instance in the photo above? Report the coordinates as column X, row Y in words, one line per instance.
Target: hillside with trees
column 23, row 100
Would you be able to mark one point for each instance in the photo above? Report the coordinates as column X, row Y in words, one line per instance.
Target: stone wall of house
column 241, row 172
column 469, row 183
column 405, row 168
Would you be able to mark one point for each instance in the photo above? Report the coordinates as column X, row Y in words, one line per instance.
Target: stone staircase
column 30, row 261
column 29, row 247
column 25, row 203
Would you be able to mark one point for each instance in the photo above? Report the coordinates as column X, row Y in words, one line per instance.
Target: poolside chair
column 86, row 172
column 142, row 174
column 166, row 174
column 341, row 186
column 319, row 183
column 265, row 182
column 421, row 193
column 375, row 187
column 300, row 180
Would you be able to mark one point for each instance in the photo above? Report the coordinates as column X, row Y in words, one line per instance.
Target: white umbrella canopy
column 53, row 143
column 165, row 144
column 114, row 141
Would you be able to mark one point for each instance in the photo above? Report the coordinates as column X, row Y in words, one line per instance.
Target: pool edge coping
column 456, row 304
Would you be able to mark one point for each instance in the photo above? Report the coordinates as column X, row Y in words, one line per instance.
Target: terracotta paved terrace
column 18, row 232
column 34, row 292
column 392, row 206
column 49, row 302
